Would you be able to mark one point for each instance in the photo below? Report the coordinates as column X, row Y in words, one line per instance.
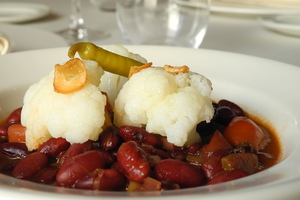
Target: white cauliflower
column 112, row 83
column 165, row 103
column 77, row 116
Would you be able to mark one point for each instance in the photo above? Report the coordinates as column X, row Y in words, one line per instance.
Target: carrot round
column 16, row 133
column 243, row 129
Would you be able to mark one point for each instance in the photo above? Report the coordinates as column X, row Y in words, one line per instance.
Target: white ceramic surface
column 241, row 8
column 267, row 88
column 25, row 38
column 286, row 24
column 16, row 12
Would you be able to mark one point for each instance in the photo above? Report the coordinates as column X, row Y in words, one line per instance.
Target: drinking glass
column 163, row 22
column 77, row 32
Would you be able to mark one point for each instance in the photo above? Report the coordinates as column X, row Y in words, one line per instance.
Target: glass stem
column 77, row 25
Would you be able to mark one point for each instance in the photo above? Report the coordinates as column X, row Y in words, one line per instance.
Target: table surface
column 231, row 33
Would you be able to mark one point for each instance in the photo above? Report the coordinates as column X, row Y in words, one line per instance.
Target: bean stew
column 127, row 158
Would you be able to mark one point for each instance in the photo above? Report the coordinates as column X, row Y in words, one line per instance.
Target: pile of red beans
column 129, row 158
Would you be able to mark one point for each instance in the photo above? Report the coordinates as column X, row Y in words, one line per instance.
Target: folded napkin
column 293, row 4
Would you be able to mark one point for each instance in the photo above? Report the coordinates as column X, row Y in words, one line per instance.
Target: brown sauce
column 273, row 148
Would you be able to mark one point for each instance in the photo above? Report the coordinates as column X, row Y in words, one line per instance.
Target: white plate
column 267, row 88
column 286, row 24
column 25, row 38
column 249, row 9
column 16, row 12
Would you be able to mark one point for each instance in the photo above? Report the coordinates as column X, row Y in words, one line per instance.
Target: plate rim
column 18, row 44
column 271, row 23
column 244, row 10
column 42, row 10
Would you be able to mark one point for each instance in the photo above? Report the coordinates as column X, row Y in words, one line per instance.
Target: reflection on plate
column 228, row 7
column 25, row 38
column 242, row 79
column 286, row 24
column 15, row 12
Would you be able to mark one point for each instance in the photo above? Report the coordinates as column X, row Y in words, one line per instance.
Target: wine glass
column 163, row 22
column 77, row 32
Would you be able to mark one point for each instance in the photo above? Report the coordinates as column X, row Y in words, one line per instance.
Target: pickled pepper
column 109, row 61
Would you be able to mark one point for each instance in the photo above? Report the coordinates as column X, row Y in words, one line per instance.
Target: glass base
column 82, row 35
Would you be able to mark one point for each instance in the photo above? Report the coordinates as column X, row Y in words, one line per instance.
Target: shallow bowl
column 263, row 87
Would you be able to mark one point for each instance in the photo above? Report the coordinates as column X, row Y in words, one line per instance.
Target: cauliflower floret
column 121, row 50
column 167, row 104
column 77, row 116
column 112, row 83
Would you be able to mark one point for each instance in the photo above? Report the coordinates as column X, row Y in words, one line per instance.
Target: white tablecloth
column 231, row 33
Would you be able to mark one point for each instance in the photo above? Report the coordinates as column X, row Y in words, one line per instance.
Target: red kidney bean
column 206, row 129
column 224, row 115
column 78, row 167
column 165, row 145
column 228, row 176
column 179, row 172
column 4, row 129
column 102, row 179
column 155, row 151
column 109, row 159
column 153, row 160
column 194, row 148
column 54, row 146
column 212, row 165
column 15, row 116
column 139, row 134
column 74, row 150
column 132, row 161
column 14, row 149
column 167, row 185
column 47, row 175
column 235, row 108
column 7, row 165
column 110, row 139
column 3, row 139
column 178, row 155
column 30, row 165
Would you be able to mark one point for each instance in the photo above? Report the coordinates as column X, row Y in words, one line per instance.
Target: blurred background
column 265, row 28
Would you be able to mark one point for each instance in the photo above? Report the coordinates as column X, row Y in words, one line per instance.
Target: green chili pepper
column 109, row 61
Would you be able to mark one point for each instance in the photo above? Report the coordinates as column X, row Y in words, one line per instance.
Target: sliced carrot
column 217, row 142
column 149, row 184
column 243, row 129
column 16, row 133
